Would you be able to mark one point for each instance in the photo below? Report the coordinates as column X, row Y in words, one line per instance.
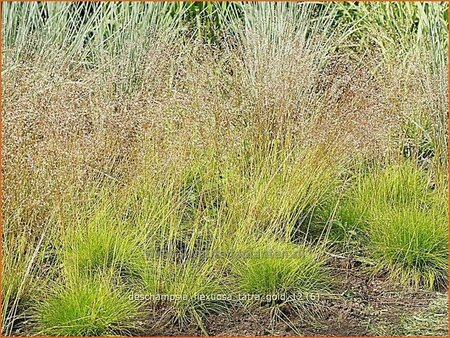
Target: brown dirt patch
column 359, row 303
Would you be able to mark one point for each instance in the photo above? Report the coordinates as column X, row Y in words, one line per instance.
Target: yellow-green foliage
column 277, row 269
column 144, row 143
column 189, row 288
column 405, row 222
column 102, row 243
column 86, row 307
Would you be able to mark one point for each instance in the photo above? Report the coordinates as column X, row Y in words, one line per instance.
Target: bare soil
column 359, row 305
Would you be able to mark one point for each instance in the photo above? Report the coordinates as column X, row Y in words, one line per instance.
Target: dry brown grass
column 66, row 131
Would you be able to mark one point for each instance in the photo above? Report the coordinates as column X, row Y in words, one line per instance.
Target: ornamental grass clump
column 86, row 307
column 283, row 271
